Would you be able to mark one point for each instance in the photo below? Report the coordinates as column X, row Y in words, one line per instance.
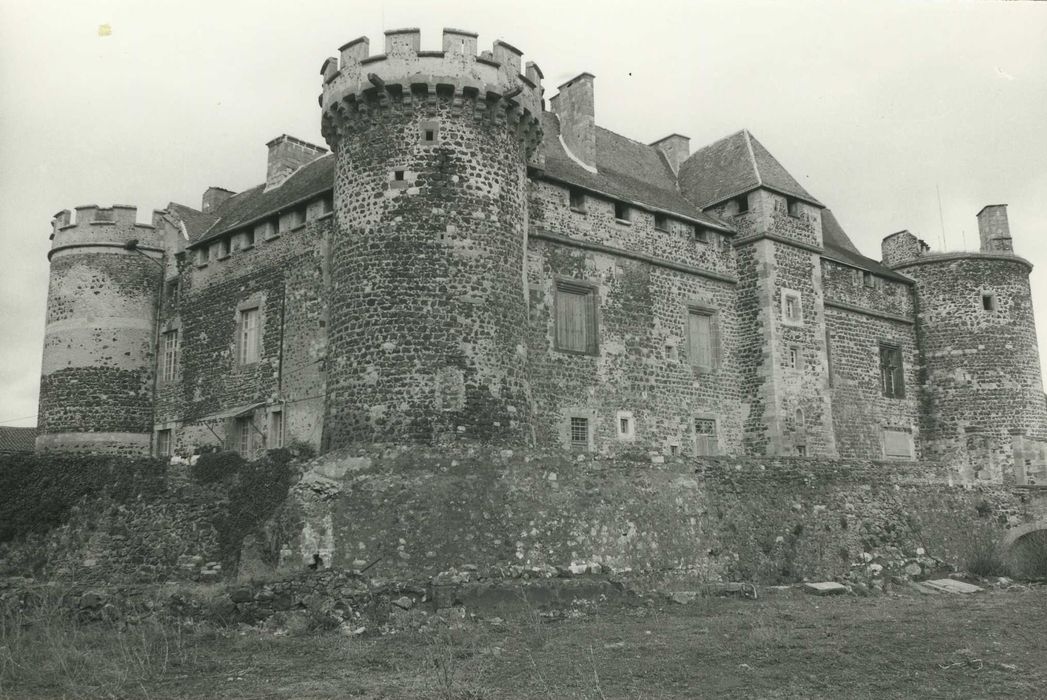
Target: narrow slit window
column 248, row 336
column 892, row 374
column 169, row 358
column 794, row 357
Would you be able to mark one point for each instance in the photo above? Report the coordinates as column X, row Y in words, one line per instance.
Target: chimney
column 574, row 106
column 901, row 247
column 675, row 148
column 993, row 229
column 287, row 154
column 213, row 198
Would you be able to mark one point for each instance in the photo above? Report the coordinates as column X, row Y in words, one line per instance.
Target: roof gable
column 17, row 439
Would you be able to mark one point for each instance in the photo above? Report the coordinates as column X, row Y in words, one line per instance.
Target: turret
column 427, row 301
column 982, row 396
column 97, row 375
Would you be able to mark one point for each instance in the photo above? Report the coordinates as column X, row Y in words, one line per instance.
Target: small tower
column 427, row 301
column 982, row 395
column 97, row 375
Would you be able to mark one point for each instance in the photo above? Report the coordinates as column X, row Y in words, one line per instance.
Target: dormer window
column 702, row 235
column 868, row 279
column 661, row 222
column 793, row 205
column 743, row 203
column 576, row 200
column 622, row 211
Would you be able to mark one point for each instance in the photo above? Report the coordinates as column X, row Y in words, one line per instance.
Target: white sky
column 869, row 105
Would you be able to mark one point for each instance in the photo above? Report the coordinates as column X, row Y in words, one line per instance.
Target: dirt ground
column 785, row 645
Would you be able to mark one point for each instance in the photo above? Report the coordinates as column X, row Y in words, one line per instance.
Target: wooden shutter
column 700, row 339
column 574, row 326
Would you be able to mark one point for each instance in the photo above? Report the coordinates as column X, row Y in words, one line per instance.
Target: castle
column 465, row 264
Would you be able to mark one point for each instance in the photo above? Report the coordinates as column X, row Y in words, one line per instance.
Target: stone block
column 948, row 585
column 825, row 588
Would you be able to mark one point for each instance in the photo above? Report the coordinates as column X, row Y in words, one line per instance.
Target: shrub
column 983, row 556
column 216, row 466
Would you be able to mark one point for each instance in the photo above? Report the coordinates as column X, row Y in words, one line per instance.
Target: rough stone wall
column 982, row 382
column 97, row 372
column 642, row 366
column 284, row 278
column 419, row 512
column 858, row 318
column 427, row 301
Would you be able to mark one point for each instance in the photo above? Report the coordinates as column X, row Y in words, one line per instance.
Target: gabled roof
column 17, row 439
column 252, row 205
column 196, row 222
column 838, row 247
column 626, row 169
column 733, row 166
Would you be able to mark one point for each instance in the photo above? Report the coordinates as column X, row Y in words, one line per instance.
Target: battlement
column 102, row 226
column 404, row 69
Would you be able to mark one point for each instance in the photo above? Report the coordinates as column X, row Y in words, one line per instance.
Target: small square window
column 674, row 449
column 661, row 222
column 621, row 211
column 430, row 135
column 801, row 450
column 576, row 199
column 793, row 205
column 626, row 425
column 398, row 175
column 743, row 203
column 579, row 433
column 702, row 235
column 988, row 302
column 868, row 279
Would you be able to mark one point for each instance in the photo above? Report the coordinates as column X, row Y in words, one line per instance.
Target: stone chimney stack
column 676, row 149
column 901, row 247
column 993, row 229
column 287, row 154
column 213, row 198
column 575, row 108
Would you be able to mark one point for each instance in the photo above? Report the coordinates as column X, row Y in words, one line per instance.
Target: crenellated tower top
column 106, row 227
column 358, row 81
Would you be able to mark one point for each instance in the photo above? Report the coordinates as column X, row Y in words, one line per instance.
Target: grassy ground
column 785, row 645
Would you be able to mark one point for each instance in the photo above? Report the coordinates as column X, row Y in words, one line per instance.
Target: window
column 576, row 318
column 576, row 199
column 248, row 336
column 163, row 443
column 169, row 356
column 988, row 302
column 579, row 433
column 244, row 440
column 798, row 420
column 792, row 309
column 702, row 235
column 670, row 352
column 398, row 175
column 793, row 358
column 223, row 248
column 705, row 437
column 829, row 355
column 743, row 203
column 892, row 376
column 661, row 222
column 202, row 257
column 249, row 238
column 868, row 279
column 625, row 424
column 622, row 211
column 702, row 343
column 801, row 450
column 793, row 206
column 276, row 429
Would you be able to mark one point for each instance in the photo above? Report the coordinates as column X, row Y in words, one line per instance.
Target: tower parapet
column 427, row 301
column 97, row 371
column 359, row 81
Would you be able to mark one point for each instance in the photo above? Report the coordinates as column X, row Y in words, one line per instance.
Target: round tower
column 97, row 375
column 428, row 299
column 982, row 395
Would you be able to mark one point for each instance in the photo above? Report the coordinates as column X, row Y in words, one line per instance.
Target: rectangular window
column 169, row 356
column 702, row 235
column 988, row 302
column 576, row 199
column 579, row 433
column 705, row 443
column 223, row 248
column 794, row 357
column 276, row 429
column 793, row 206
column 868, row 279
column 163, row 443
column 248, row 336
column 702, row 341
column 244, row 440
column 743, row 203
column 576, row 318
column 661, row 222
column 249, row 237
column 622, row 211
column 792, row 308
column 892, row 375
column 626, row 425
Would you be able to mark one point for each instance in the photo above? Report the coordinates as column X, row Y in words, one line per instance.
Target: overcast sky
column 870, row 105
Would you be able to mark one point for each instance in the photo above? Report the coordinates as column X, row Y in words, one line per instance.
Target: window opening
column 892, row 376
column 576, row 199
column 661, row 222
column 702, row 235
column 791, row 308
column 579, row 433
column 248, row 336
column 868, row 279
column 794, row 357
column 163, row 443
column 705, row 437
column 701, row 339
column 576, row 318
column 398, row 175
column 743, row 203
column 621, row 211
column 988, row 302
column 169, row 358
column 793, row 206
column 276, row 429
column 243, row 436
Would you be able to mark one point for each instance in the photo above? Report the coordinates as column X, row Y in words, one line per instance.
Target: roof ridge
column 722, row 138
column 752, row 155
column 623, row 136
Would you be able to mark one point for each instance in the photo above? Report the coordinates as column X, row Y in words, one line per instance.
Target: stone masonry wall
column 982, row 382
column 427, row 301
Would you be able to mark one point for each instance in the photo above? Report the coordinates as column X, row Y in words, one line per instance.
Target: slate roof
column 196, row 222
column 626, row 169
column 838, row 246
column 254, row 204
column 732, row 166
column 17, row 439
